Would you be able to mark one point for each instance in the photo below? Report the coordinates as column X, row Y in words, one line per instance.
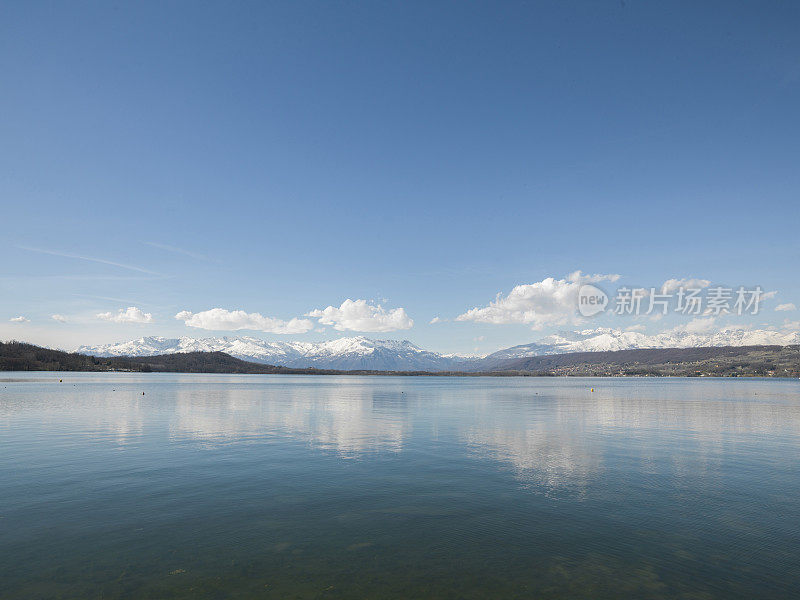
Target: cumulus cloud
column 547, row 302
column 359, row 315
column 696, row 325
column 435, row 320
column 59, row 318
column 19, row 319
column 219, row 319
column 129, row 315
column 787, row 306
column 690, row 283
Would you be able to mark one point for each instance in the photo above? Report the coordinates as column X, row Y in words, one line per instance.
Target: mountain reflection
column 563, row 437
column 350, row 420
column 550, row 434
column 542, row 482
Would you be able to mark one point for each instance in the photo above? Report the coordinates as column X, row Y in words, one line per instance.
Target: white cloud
column 787, row 306
column 769, row 295
column 435, row 320
column 639, row 327
column 359, row 315
column 547, row 302
column 20, row 319
column 696, row 325
column 177, row 250
column 673, row 285
column 59, row 318
column 101, row 261
column 219, row 319
column 131, row 315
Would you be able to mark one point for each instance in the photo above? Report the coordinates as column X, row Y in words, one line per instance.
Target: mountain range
column 354, row 353
column 351, row 353
column 727, row 361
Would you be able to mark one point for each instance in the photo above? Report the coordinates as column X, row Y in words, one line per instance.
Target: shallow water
column 212, row 486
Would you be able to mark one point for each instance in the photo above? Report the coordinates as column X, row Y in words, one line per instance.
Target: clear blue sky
column 282, row 157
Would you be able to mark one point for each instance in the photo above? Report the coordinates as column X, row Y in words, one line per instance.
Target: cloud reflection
column 348, row 419
column 539, row 457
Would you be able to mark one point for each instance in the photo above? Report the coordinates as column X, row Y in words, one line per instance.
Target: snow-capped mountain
column 344, row 353
column 605, row 339
column 392, row 355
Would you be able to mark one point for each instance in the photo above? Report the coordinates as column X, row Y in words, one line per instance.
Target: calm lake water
column 244, row 486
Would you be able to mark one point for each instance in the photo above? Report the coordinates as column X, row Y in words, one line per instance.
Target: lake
column 248, row 486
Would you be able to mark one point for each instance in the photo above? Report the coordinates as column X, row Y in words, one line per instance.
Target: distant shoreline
column 729, row 361
column 490, row 375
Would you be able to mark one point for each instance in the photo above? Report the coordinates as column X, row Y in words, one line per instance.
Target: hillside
column 344, row 354
column 18, row 356
column 778, row 361
column 730, row 361
column 366, row 354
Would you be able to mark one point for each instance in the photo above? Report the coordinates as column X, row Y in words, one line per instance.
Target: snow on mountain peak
column 360, row 352
column 606, row 339
column 343, row 353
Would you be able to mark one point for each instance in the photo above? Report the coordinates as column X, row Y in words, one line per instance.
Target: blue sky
column 280, row 158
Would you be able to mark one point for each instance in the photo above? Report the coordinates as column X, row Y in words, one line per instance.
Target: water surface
column 212, row 486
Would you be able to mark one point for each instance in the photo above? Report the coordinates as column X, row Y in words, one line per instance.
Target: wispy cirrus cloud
column 220, row 319
column 360, row 315
column 129, row 315
column 19, row 319
column 109, row 298
column 786, row 307
column 93, row 259
column 177, row 250
column 59, row 318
